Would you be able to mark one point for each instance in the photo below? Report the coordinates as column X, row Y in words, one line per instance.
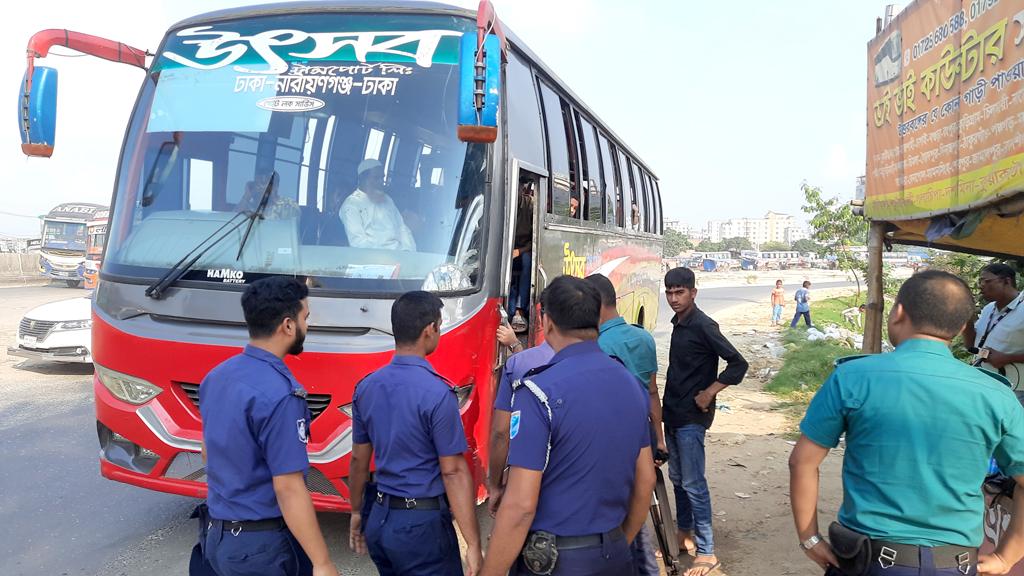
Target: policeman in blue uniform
column 581, row 471
column 407, row 417
column 255, row 430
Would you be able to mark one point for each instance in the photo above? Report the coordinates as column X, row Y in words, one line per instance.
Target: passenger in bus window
column 574, row 206
column 522, row 258
column 331, row 231
column 636, row 217
column 278, row 207
column 370, row 217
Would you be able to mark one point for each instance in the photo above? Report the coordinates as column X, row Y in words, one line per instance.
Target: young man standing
column 692, row 384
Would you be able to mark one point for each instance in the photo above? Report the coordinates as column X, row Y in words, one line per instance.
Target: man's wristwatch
column 810, row 542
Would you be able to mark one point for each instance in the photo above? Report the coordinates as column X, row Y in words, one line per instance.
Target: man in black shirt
column 689, row 408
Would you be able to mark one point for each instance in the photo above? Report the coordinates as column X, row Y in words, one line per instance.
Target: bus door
column 526, row 179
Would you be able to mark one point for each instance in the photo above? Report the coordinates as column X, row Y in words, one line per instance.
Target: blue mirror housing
column 479, row 89
column 37, row 111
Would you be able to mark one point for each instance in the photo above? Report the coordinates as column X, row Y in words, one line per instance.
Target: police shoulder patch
column 846, row 359
column 513, row 425
column 300, row 426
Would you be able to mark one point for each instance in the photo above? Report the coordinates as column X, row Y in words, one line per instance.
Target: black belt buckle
column 540, row 554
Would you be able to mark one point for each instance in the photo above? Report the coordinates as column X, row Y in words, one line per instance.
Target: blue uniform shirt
column 920, row 429
column 411, row 416
column 597, row 428
column 631, row 344
column 515, row 367
column 255, row 427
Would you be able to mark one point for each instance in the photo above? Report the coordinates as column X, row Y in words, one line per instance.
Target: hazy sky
column 732, row 103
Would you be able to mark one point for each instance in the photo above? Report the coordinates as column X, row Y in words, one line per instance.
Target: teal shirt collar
column 612, row 324
column 924, row 345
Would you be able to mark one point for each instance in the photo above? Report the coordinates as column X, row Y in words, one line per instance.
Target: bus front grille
column 317, row 402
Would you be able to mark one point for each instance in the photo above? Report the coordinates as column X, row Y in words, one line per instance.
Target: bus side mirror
column 37, row 111
column 479, row 89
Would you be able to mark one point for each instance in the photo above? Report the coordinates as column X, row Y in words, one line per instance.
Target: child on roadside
column 778, row 302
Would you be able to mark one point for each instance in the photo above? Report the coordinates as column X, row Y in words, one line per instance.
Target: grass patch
column 806, row 366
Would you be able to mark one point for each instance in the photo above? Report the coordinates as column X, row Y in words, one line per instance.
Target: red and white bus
column 96, row 240
column 271, row 109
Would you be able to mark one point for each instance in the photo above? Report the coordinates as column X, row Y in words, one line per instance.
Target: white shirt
column 1008, row 335
column 375, row 224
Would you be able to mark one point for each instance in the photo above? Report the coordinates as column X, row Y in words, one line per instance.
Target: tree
column 709, row 246
column 836, row 228
column 776, row 247
column 736, row 244
column 807, row 245
column 675, row 243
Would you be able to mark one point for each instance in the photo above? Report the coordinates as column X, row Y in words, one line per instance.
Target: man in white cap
column 370, row 217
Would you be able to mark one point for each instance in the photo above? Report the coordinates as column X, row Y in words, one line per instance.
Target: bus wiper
column 181, row 267
column 264, row 200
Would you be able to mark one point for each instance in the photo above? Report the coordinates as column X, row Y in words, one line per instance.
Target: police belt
column 892, row 554
column 403, row 503
column 253, row 525
column 588, row 541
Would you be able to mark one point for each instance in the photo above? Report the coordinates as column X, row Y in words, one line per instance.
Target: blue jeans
column 686, row 471
column 796, row 318
column 519, row 292
column 927, row 568
column 776, row 313
column 643, row 553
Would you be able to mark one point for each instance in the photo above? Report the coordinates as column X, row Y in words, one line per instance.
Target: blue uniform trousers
column 412, row 542
column 611, row 558
column 255, row 553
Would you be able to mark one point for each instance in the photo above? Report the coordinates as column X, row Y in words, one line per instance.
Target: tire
column 74, row 283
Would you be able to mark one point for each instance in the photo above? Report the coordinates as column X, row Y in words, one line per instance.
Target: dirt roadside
column 747, row 458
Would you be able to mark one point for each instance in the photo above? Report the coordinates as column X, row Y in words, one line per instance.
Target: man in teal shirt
column 920, row 429
column 634, row 347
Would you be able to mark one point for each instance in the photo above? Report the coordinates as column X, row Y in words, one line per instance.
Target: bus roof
column 412, row 7
column 74, row 211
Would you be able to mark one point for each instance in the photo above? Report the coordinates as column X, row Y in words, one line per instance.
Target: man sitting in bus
column 370, row 217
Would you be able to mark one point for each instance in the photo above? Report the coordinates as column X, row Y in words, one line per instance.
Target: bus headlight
column 447, row 278
column 75, row 325
column 128, row 388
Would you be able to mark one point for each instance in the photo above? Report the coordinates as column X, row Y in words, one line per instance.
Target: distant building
column 773, row 227
column 859, row 190
column 692, row 233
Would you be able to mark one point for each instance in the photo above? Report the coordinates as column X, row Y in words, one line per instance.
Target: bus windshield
column 347, row 123
column 64, row 235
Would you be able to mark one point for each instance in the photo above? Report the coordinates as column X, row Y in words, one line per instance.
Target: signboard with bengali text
column 945, row 108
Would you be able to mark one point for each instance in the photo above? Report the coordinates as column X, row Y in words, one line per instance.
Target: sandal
column 708, row 567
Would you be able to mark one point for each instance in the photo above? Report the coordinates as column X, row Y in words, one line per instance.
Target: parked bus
column 277, row 126
column 64, row 241
column 96, row 239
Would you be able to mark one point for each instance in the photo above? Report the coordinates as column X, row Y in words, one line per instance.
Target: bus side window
column 525, row 136
column 575, row 182
column 639, row 198
column 661, row 213
column 609, row 184
column 630, row 212
column 558, row 152
column 652, row 205
column 591, row 161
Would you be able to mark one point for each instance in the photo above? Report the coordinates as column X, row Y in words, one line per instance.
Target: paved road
column 60, row 517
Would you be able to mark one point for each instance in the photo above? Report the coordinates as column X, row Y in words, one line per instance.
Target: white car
column 58, row 331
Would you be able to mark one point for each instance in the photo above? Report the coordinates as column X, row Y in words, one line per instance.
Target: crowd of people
column 579, row 428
